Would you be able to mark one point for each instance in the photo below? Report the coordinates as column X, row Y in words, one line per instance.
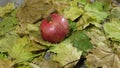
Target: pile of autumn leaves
column 94, row 34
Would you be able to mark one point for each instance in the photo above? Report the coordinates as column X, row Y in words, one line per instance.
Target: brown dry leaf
column 108, row 57
column 50, row 64
column 5, row 63
column 97, row 37
column 42, row 63
column 33, row 46
column 33, row 10
column 22, row 29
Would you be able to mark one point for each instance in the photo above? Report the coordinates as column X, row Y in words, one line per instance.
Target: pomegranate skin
column 55, row 29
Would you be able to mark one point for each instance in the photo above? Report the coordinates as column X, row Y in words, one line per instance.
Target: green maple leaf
column 72, row 25
column 81, row 41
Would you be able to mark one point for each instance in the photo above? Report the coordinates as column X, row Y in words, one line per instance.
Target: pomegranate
column 54, row 28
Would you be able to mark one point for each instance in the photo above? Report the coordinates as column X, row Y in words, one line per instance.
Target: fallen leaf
column 65, row 53
column 33, row 10
column 112, row 30
column 98, row 39
column 6, row 9
column 6, row 63
column 107, row 57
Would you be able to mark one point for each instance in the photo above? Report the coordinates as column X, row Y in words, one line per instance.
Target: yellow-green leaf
column 6, row 9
